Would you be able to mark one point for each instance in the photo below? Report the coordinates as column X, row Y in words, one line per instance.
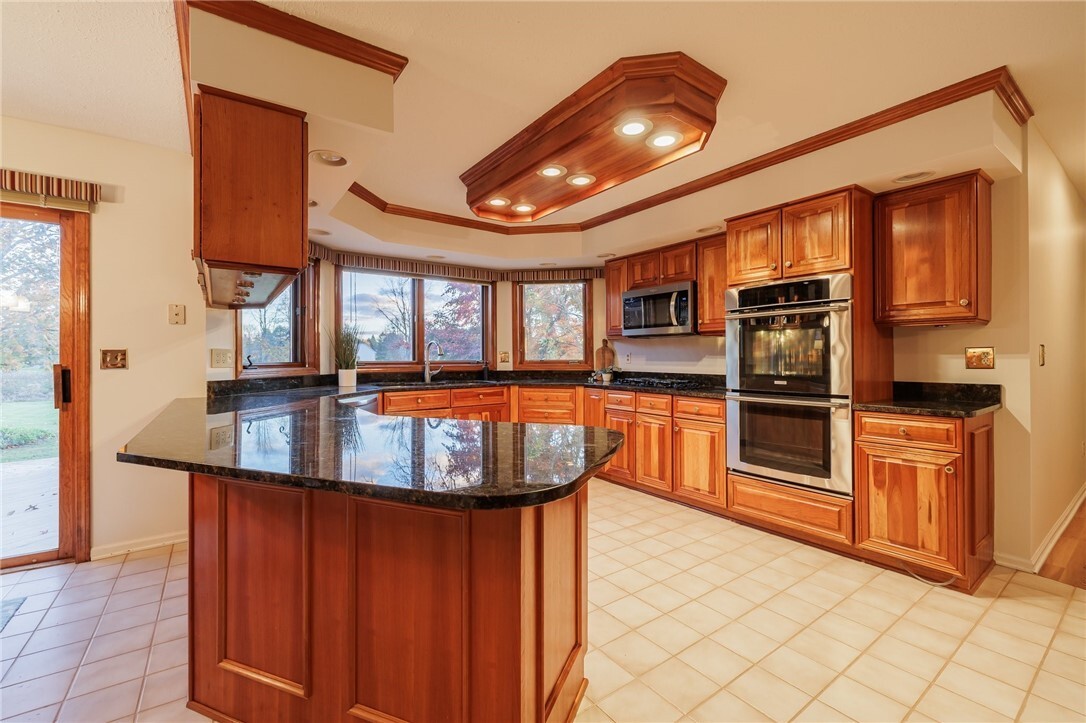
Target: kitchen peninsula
column 350, row 565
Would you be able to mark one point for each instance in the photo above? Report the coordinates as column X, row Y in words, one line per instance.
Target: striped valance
column 416, row 267
column 33, row 188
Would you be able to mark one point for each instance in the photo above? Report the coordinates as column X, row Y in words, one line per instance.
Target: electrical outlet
column 222, row 358
column 503, row 357
column 220, row 437
column 629, row 357
column 177, row 314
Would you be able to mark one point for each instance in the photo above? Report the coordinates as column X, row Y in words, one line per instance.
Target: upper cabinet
column 643, row 270
column 678, row 263
column 712, row 281
column 614, row 277
column 754, row 248
column 933, row 253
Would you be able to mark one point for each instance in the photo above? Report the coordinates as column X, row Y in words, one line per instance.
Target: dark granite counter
column 938, row 400
column 306, row 437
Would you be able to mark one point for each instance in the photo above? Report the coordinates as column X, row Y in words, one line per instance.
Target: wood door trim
column 998, row 80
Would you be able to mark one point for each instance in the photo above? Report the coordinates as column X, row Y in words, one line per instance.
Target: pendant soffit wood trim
column 998, row 80
column 675, row 94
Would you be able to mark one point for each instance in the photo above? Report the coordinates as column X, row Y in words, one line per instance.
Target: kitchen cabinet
column 924, row 495
column 616, row 282
column 815, row 236
column 933, row 253
column 549, row 405
column 594, row 407
column 700, row 464
column 678, row 263
column 396, row 402
column 806, row 514
column 643, row 270
column 754, row 248
column 712, row 269
column 621, row 466
column 652, row 451
column 482, row 412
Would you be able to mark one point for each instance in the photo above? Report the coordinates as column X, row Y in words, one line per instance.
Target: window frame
column 519, row 360
column 307, row 292
column 489, row 316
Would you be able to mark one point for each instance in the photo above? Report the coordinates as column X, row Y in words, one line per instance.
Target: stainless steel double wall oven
column 789, row 365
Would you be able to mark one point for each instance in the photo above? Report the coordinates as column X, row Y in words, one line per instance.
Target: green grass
column 40, row 415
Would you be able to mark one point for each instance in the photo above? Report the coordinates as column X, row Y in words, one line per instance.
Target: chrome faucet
column 427, row 373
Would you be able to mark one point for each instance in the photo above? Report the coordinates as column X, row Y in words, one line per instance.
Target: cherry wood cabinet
column 616, row 282
column 396, row 402
column 482, row 412
column 712, row 269
column 815, row 236
column 754, row 248
column 933, row 253
column 806, row 514
column 700, row 465
column 652, row 451
column 678, row 263
column 643, row 269
column 621, row 466
column 594, row 399
column 550, row 405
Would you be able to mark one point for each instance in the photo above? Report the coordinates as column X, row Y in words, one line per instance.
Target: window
column 281, row 338
column 553, row 325
column 398, row 315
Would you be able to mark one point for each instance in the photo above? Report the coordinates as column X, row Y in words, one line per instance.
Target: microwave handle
column 671, row 308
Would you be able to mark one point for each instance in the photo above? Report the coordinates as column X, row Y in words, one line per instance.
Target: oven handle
column 788, row 401
column 835, row 308
column 674, row 299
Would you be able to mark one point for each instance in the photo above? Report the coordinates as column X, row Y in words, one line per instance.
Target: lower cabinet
column 699, row 472
column 621, row 466
column 483, row 413
column 652, row 451
column 593, row 407
column 821, row 518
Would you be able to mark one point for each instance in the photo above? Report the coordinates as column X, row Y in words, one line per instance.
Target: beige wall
column 140, row 262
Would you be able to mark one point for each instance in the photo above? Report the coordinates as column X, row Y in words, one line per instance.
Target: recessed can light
column 552, row 171
column 498, row 201
column 524, row 208
column 328, row 158
column 633, row 127
column 319, row 232
column 581, row 179
column 605, row 256
column 710, row 229
column 548, row 263
column 664, row 139
column 914, row 177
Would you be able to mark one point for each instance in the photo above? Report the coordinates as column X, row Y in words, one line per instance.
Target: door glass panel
column 29, row 347
column 789, row 439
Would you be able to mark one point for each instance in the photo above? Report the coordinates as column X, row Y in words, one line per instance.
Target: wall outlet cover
column 177, row 314
column 222, row 358
column 980, row 357
column 114, row 358
column 503, row 357
column 220, row 437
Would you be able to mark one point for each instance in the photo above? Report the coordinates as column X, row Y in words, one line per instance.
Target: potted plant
column 345, row 350
column 607, row 374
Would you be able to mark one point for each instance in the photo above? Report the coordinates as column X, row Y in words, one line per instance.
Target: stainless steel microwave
column 659, row 310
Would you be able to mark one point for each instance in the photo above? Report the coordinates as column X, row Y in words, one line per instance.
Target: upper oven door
column 796, row 351
column 658, row 310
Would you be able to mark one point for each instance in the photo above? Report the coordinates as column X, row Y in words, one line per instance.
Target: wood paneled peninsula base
column 328, row 582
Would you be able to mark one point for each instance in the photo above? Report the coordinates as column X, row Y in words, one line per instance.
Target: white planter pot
column 348, row 377
column 606, row 378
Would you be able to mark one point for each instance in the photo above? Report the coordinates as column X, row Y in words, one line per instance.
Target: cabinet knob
column 480, row 396
column 787, row 264
column 772, row 267
column 696, row 408
column 902, row 430
column 963, row 302
column 948, row 469
column 676, row 429
column 418, row 401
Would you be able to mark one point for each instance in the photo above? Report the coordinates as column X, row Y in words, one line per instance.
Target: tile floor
column 691, row 617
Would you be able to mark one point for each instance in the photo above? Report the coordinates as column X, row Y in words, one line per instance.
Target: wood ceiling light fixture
column 639, row 114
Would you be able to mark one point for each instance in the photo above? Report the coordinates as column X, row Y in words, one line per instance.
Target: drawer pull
column 903, row 430
column 963, row 302
column 787, row 264
column 418, row 401
column 948, row 469
column 480, row 396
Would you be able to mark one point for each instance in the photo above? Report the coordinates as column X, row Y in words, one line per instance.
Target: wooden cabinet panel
column 712, row 282
column 616, row 282
column 593, row 407
column 929, row 432
column 818, row 517
column 652, row 451
column 700, row 408
column 933, row 248
column 700, row 464
column 815, row 236
column 482, row 412
column 438, row 413
column 621, row 466
column 654, row 403
column 548, row 405
column 251, row 174
column 535, row 414
column 406, row 401
column 643, row 269
column 476, row 396
column 621, row 400
column 554, row 396
column 678, row 263
column 754, row 248
column 907, row 505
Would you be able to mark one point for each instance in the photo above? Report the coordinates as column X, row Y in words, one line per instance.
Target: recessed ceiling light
column 914, row 177
column 524, row 208
column 328, row 158
column 710, row 229
column 633, row 127
column 552, row 171
column 312, row 203
column 581, row 179
column 319, row 232
column 498, row 201
column 605, row 256
column 435, row 257
column 548, row 263
column 664, row 139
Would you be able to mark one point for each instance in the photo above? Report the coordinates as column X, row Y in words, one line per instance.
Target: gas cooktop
column 657, row 383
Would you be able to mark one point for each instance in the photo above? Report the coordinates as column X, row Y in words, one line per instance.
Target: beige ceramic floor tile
column 815, row 595
column 1060, row 691
column 60, row 635
column 632, row 611
column 109, row 672
column 70, row 595
column 71, row 613
column 924, row 637
column 108, row 704
column 802, row 672
column 36, row 693
column 602, row 627
column 994, row 665
column 849, row 632
column 636, row 653
column 819, row 712
column 1039, row 710
column 679, row 684
column 860, row 702
column 47, row 662
column 601, row 592
column 769, row 694
column 700, row 617
column 605, row 676
column 943, row 705
column 744, row 641
column 998, row 696
column 770, row 624
column 635, row 702
column 794, row 608
column 1018, row 627
column 164, row 687
column 908, row 657
column 714, row 661
column 823, row 649
column 723, row 707
column 887, row 679
column 1067, row 666
column 1005, row 644
column 122, row 641
column 128, row 618
column 873, row 617
column 663, row 598
column 591, row 714
column 168, row 655
column 667, row 632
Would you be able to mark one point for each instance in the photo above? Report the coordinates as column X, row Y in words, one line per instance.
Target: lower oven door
column 803, row 441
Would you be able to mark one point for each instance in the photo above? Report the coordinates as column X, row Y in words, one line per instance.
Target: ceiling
column 480, row 72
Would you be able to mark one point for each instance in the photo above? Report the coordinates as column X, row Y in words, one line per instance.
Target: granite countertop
column 938, row 400
column 308, row 438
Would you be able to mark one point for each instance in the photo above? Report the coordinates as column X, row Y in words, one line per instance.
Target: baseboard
column 146, row 543
column 1053, row 535
column 1015, row 562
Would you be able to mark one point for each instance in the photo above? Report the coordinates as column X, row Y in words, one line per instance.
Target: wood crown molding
column 998, row 80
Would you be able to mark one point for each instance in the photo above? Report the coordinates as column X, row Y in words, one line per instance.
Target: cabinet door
column 700, row 463
column 614, row 276
column 483, row 413
column 251, row 172
column 712, row 281
column 653, row 451
column 445, row 413
column 621, row 466
column 907, row 505
column 754, row 248
column 816, row 236
column 933, row 254
column 593, row 407
column 644, row 269
column 677, row 264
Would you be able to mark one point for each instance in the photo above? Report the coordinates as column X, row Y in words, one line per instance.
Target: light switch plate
column 114, row 358
column 177, row 314
column 503, row 357
column 980, row 357
column 220, row 437
column 222, row 358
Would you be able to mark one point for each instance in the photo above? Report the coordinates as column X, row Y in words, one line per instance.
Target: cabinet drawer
column 478, row 396
column 621, row 400
column 805, row 514
column 697, row 408
column 444, row 413
column 654, row 403
column 549, row 396
column 402, row 401
column 930, row 432
column 546, row 415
